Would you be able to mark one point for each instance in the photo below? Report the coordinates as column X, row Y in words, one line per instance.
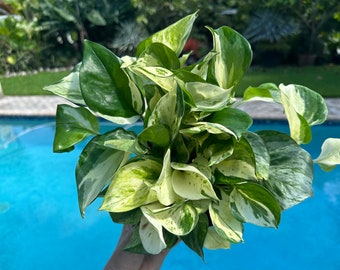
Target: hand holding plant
column 195, row 172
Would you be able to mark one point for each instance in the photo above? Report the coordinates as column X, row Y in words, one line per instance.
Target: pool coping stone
column 45, row 106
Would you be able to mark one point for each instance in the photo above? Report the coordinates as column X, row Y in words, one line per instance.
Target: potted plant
column 195, row 172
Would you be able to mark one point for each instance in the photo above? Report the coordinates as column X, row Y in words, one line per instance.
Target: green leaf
column 208, row 97
column 73, row 125
column 180, row 149
column 135, row 244
column 155, row 134
column 291, row 169
column 151, row 234
column 297, row 101
column 330, row 154
column 131, row 186
column 173, row 36
column 68, row 87
column 218, row 150
column 95, row 169
column 104, row 85
column 129, row 217
column 214, row 241
column 251, row 202
column 159, row 55
column 260, row 153
column 121, row 139
column 190, row 183
column 224, row 222
column 268, row 92
column 163, row 188
column 159, row 75
column 201, row 68
column 233, row 56
column 179, row 218
column 241, row 163
column 195, row 239
column 234, row 119
column 212, row 128
column 169, row 112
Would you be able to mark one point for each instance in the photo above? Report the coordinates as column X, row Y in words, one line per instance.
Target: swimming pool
column 41, row 228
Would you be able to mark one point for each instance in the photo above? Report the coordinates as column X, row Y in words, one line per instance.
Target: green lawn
column 323, row 79
column 30, row 84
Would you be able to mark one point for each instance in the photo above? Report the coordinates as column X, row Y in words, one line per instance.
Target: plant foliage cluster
column 195, row 171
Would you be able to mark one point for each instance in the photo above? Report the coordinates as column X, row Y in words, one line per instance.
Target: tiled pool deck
column 45, row 106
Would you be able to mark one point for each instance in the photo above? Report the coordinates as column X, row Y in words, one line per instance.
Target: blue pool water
column 41, row 228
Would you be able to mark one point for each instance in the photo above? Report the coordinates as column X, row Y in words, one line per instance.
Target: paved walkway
column 46, row 106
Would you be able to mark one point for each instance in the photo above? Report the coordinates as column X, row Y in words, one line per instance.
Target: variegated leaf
column 208, row 97
column 68, row 87
column 214, row 241
column 151, row 235
column 190, row 183
column 252, row 203
column 233, row 56
column 163, row 188
column 260, row 153
column 224, row 222
column 131, row 186
column 179, row 218
column 297, row 101
column 330, row 154
column 291, row 169
column 174, row 36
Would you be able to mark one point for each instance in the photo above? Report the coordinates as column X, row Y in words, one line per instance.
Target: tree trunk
column 124, row 260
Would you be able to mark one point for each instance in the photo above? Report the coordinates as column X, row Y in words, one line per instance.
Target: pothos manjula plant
column 195, row 171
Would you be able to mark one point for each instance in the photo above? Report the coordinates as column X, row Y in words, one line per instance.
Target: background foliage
column 51, row 33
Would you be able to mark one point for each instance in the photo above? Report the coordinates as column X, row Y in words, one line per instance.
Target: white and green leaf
column 151, row 234
column 233, row 56
column 174, row 36
column 291, row 169
column 169, row 112
column 190, row 183
column 163, row 187
column 260, row 153
column 68, row 87
column 252, row 203
column 225, row 224
column 241, row 163
column 95, row 169
column 179, row 218
column 73, row 125
column 233, row 119
column 208, row 97
column 297, row 102
column 159, row 75
column 212, row 128
column 330, row 154
column 121, row 139
column 214, row 241
column 195, row 239
column 131, row 186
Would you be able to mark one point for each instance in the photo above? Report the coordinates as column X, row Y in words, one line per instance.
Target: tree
column 312, row 16
column 19, row 37
column 71, row 21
